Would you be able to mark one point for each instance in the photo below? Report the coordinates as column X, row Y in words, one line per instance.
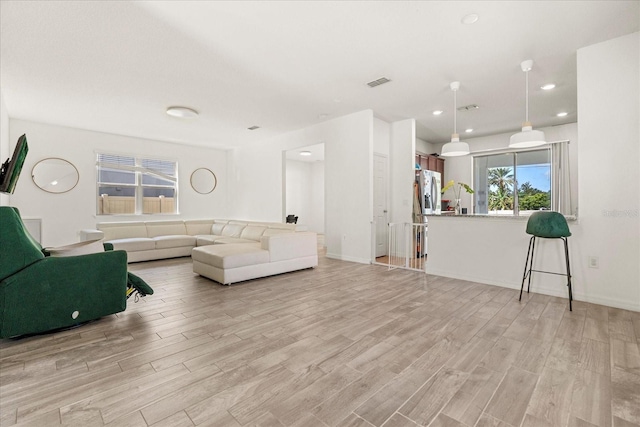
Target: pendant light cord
column 455, row 112
column 527, row 95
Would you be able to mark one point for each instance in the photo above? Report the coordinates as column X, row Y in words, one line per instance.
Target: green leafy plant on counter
column 459, row 187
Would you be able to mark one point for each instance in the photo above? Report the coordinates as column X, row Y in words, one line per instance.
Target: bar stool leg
column 533, row 250
column 524, row 274
column 566, row 256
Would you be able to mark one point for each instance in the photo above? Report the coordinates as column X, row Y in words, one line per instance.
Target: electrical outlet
column 594, row 262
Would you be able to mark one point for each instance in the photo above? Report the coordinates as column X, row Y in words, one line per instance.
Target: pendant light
column 455, row 147
column 528, row 137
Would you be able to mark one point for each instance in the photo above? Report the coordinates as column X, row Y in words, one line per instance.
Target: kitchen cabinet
column 432, row 163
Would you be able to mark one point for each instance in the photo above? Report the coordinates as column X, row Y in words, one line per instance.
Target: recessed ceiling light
column 471, row 18
column 437, row 112
column 468, row 130
column 548, row 86
column 562, row 114
column 254, row 127
column 182, row 112
column 323, row 116
column 305, row 153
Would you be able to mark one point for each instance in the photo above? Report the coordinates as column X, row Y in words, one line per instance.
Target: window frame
column 516, row 201
column 139, row 171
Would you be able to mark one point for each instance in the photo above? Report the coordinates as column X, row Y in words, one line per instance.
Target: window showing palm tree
column 501, row 183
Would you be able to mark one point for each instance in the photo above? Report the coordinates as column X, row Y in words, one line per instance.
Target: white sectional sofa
column 275, row 254
column 225, row 250
column 149, row 240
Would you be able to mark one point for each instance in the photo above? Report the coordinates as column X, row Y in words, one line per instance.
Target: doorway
column 304, row 186
column 380, row 204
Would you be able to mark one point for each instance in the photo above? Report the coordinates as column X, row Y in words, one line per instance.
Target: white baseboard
column 347, row 258
column 555, row 292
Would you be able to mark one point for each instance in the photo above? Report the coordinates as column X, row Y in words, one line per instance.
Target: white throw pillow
column 81, row 248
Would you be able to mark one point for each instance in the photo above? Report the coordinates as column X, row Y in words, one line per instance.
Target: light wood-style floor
column 341, row 345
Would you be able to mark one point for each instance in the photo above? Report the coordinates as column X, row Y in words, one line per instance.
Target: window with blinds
column 136, row 185
column 520, row 182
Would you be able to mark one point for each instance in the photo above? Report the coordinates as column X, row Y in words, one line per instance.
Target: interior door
column 380, row 203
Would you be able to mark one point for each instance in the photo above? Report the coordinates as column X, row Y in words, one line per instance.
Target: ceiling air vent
column 380, row 81
column 468, row 107
column 254, row 127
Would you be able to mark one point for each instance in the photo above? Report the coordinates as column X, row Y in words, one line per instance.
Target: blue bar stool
column 547, row 225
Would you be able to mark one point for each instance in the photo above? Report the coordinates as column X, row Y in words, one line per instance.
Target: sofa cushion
column 165, row 228
column 133, row 244
column 290, row 246
column 274, row 231
column 74, row 249
column 228, row 240
column 165, row 242
column 232, row 230
column 122, row 230
column 282, row 226
column 207, row 239
column 217, row 227
column 231, row 256
column 252, row 232
column 198, row 226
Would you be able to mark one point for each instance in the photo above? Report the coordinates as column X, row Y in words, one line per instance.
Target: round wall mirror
column 55, row 175
column 203, row 181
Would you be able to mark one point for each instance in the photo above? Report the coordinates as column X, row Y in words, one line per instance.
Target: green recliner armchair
column 39, row 293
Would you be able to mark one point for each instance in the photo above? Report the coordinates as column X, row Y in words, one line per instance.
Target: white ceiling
column 115, row 66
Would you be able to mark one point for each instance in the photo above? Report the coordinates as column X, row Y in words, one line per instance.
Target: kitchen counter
column 490, row 217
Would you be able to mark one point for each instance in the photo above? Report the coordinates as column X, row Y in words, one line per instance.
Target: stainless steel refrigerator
column 430, row 186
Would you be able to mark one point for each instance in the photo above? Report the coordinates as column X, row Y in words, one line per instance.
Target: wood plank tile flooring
column 340, row 345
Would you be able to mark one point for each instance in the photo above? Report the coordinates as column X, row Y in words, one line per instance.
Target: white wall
column 402, row 170
column 63, row 215
column 5, row 150
column 305, row 193
column 298, row 196
column 493, row 250
column 608, row 162
column 425, row 147
column 381, row 136
column 258, row 184
column 460, row 169
column 316, row 221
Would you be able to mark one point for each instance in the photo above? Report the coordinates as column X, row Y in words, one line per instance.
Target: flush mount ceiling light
column 437, row 112
column 562, row 114
column 471, row 18
column 548, row 86
column 305, row 153
column 455, row 147
column 527, row 137
column 182, row 112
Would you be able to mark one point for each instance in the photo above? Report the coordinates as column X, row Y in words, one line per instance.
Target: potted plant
column 457, row 189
